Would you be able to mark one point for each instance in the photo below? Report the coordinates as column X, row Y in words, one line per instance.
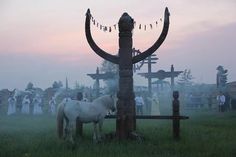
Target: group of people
column 140, row 103
column 34, row 106
column 223, row 101
column 25, row 106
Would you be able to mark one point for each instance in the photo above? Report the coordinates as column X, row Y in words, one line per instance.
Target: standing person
column 52, row 105
column 155, row 106
column 25, row 105
column 11, row 106
column 139, row 104
column 227, row 101
column 209, row 101
column 37, row 105
column 221, row 101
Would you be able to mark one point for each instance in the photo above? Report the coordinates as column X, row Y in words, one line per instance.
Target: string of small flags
column 114, row 27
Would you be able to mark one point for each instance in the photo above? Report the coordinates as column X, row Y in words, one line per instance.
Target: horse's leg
column 66, row 130
column 100, row 123
column 95, row 132
column 70, row 131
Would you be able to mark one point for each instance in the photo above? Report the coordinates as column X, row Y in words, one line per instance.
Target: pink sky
column 43, row 41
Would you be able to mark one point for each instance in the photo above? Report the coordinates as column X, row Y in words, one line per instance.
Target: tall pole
column 97, row 84
column 126, row 122
column 172, row 78
column 149, row 78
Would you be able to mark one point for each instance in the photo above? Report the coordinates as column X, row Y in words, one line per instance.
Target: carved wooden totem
column 125, row 121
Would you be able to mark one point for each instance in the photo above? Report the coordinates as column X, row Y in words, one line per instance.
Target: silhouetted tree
column 221, row 77
column 29, row 86
column 57, row 84
column 185, row 80
column 112, row 84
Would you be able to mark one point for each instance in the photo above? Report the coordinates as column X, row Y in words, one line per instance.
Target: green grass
column 205, row 134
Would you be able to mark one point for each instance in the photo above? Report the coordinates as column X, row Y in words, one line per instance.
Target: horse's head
column 111, row 104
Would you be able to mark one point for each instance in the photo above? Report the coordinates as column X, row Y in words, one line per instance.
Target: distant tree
column 79, row 87
column 109, row 67
column 111, row 84
column 57, row 84
column 60, row 84
column 185, row 80
column 221, row 77
column 29, row 86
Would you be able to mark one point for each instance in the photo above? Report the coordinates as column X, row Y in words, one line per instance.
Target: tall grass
column 205, row 134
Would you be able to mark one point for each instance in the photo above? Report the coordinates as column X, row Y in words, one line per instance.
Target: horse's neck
column 100, row 101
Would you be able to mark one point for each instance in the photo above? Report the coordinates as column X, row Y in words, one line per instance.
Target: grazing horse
column 86, row 112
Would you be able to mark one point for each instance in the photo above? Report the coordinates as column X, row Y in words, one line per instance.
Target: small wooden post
column 176, row 121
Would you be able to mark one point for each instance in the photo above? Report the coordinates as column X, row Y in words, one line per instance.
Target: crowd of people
column 144, row 104
column 151, row 105
column 36, row 105
column 26, row 107
column 223, row 100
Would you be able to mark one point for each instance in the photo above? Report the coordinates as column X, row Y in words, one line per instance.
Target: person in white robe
column 11, row 106
column 25, row 105
column 37, row 102
column 155, row 106
column 52, row 106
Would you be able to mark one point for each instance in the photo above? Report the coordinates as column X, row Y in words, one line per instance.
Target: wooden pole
column 176, row 121
column 97, row 84
column 172, row 78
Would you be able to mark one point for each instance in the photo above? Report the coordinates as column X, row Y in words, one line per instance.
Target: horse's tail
column 60, row 119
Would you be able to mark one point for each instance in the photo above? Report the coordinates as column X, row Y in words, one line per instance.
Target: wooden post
column 176, row 124
column 172, row 82
column 97, row 84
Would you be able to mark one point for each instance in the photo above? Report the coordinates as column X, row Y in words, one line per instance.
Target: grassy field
column 205, row 134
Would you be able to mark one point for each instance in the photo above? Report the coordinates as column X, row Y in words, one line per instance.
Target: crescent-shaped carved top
column 94, row 46
column 158, row 43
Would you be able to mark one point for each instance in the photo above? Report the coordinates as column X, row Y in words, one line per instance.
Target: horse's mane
column 103, row 99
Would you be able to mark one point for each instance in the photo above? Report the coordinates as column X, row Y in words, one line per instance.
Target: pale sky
column 42, row 41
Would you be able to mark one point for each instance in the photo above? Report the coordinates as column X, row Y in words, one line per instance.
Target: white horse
column 86, row 112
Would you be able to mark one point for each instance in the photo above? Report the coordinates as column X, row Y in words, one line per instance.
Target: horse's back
column 75, row 108
column 85, row 111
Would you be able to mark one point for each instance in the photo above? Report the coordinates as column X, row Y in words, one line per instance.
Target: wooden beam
column 163, row 117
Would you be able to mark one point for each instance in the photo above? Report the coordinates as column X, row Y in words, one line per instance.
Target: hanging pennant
column 97, row 24
column 100, row 27
column 105, row 28
column 140, row 26
column 151, row 26
column 94, row 22
column 109, row 29
column 156, row 23
column 160, row 19
column 145, row 27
